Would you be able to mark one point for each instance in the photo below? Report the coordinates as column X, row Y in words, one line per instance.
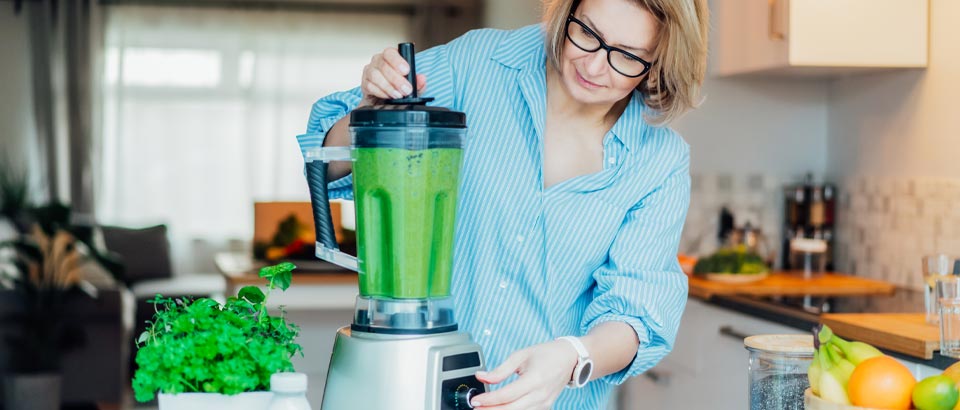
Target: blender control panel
column 456, row 392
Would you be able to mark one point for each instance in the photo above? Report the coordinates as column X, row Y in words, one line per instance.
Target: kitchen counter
column 792, row 284
column 790, row 312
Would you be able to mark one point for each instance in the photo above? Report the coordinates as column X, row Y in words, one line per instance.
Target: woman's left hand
column 543, row 370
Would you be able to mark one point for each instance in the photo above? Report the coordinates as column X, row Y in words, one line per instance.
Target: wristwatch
column 583, row 370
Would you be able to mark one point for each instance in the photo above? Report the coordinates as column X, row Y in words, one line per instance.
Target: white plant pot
column 258, row 400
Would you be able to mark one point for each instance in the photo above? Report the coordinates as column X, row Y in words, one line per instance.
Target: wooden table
column 793, row 284
column 333, row 288
column 907, row 333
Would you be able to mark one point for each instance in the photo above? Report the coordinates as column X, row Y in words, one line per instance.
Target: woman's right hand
column 386, row 78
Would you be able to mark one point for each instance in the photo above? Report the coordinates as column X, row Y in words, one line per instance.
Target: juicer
column 403, row 350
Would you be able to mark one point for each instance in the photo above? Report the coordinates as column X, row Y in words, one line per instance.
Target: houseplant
column 14, row 199
column 203, row 354
column 42, row 274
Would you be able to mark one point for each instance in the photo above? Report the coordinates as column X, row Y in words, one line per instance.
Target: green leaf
column 271, row 271
column 143, row 338
column 282, row 280
column 253, row 294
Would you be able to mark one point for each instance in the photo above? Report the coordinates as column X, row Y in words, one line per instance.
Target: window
column 201, row 107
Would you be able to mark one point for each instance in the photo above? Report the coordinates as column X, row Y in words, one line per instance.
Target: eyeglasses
column 621, row 61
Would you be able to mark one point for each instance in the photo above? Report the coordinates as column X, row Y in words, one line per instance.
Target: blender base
column 371, row 371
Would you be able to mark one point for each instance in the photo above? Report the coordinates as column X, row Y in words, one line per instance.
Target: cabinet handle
column 773, row 31
column 657, row 377
column 730, row 332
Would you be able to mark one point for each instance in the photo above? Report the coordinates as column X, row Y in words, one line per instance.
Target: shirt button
column 487, row 332
column 519, row 238
column 503, row 284
column 612, row 160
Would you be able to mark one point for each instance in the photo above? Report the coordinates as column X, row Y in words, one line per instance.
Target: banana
column 813, row 373
column 833, row 378
column 855, row 352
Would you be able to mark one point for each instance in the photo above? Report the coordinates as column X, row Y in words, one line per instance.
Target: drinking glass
column 948, row 294
column 934, row 266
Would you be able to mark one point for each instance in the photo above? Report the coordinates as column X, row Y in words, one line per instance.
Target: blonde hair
column 672, row 86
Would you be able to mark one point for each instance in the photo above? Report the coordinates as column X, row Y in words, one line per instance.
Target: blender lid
column 407, row 115
column 409, row 111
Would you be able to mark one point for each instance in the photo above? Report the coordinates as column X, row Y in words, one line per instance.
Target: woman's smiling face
column 623, row 24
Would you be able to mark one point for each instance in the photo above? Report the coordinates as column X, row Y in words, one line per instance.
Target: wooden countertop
column 907, row 333
column 793, row 284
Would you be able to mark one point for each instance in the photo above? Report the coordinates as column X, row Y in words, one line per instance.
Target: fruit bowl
column 812, row 402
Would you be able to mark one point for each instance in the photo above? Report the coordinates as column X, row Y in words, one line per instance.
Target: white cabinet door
column 708, row 366
column 820, row 36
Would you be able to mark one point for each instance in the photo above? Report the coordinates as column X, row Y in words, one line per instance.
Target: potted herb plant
column 41, row 275
column 201, row 354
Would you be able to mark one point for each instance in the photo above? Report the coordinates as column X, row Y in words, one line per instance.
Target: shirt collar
column 631, row 126
column 522, row 47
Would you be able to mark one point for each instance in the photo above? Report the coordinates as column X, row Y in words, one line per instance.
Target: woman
column 572, row 198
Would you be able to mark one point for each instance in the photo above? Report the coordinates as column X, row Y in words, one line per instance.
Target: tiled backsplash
column 886, row 225
column 753, row 197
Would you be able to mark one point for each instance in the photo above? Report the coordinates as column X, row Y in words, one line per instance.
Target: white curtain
column 201, row 107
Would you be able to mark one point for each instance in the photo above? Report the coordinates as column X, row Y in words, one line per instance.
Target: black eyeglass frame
column 603, row 45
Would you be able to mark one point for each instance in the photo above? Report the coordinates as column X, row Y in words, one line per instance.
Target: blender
column 403, row 349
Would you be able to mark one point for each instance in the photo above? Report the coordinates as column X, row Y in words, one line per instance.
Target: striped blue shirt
column 532, row 264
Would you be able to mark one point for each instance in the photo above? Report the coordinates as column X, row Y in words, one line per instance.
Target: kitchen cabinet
column 819, row 37
column 708, row 365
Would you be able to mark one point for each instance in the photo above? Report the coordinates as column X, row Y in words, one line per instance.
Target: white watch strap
column 578, row 345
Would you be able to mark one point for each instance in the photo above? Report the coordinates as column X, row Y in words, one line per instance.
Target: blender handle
column 316, row 170
column 319, row 200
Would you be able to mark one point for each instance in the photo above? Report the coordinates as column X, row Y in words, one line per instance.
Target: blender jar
column 406, row 166
column 777, row 370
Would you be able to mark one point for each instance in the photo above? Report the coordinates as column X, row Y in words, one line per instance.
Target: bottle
column 817, row 209
column 289, row 391
column 829, row 203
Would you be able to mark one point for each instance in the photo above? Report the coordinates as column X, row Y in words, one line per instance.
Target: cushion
column 145, row 252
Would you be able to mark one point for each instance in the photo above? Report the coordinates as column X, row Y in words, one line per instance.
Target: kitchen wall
column 894, row 144
column 511, row 14
column 16, row 103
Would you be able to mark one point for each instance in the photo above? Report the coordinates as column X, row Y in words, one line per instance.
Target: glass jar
column 777, row 370
column 808, row 256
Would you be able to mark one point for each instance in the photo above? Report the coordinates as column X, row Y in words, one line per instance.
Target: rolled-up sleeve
column 434, row 63
column 641, row 283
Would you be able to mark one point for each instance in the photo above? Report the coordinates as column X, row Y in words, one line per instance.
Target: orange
column 881, row 382
column 953, row 372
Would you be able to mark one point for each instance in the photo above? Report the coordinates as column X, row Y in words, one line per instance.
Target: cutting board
column 906, row 333
column 792, row 284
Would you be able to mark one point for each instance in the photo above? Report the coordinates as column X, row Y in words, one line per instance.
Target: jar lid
column 796, row 344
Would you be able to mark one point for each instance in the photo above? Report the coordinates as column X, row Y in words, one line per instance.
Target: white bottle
column 289, row 391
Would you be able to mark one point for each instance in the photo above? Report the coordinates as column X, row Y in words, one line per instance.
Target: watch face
column 583, row 376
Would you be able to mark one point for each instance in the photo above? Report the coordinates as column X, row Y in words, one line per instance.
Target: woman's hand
column 544, row 370
column 385, row 78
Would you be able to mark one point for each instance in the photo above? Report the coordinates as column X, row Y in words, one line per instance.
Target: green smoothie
column 406, row 202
